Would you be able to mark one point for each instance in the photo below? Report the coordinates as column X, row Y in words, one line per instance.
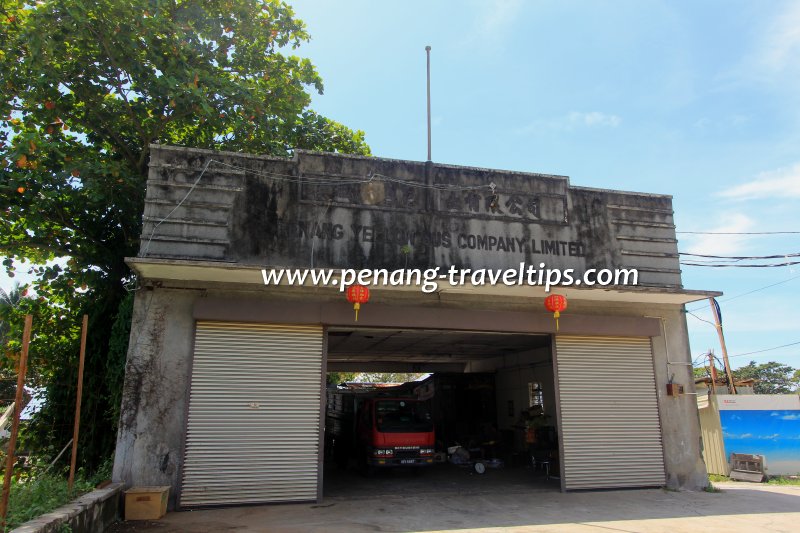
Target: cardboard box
column 146, row 503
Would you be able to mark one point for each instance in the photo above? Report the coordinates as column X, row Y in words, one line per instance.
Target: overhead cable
column 765, row 350
column 743, row 257
column 715, row 265
column 728, row 299
column 739, row 232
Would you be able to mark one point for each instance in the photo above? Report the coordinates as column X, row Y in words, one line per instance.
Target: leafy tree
column 86, row 87
column 771, row 378
column 335, row 378
column 9, row 358
column 386, row 377
column 701, row 372
column 8, row 301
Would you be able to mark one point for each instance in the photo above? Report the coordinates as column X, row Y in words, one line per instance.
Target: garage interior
column 481, row 389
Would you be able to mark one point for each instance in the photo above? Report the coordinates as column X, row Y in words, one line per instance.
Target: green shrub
column 784, row 480
column 34, row 497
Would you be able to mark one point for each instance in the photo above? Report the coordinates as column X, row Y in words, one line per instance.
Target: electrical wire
column 739, row 232
column 276, row 176
column 309, row 180
column 765, row 350
column 341, row 181
column 152, row 233
column 726, row 300
column 715, row 265
column 700, row 319
column 740, row 258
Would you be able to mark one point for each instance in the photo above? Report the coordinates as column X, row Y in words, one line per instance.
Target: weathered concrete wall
column 149, row 448
column 680, row 422
column 339, row 211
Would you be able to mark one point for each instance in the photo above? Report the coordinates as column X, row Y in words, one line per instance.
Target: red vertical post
column 12, row 441
column 77, row 428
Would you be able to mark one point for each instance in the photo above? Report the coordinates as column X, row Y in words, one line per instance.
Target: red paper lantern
column 555, row 303
column 357, row 295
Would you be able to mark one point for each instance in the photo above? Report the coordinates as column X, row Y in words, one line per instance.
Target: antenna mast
column 428, row 53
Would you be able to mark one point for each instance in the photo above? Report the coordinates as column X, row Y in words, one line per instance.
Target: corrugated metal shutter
column 711, row 431
column 611, row 430
column 254, row 408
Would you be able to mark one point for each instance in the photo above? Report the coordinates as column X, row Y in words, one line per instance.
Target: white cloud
column 492, row 21
column 498, row 14
column 781, row 47
column 722, row 244
column 594, row 118
column 735, row 436
column 773, row 55
column 572, row 121
column 725, row 123
column 790, row 417
column 782, row 183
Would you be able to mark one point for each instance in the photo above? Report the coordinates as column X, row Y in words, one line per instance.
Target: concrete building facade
column 224, row 379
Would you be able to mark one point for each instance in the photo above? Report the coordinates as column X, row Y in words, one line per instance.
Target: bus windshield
column 402, row 416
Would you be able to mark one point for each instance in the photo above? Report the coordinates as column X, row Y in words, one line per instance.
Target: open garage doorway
column 489, row 401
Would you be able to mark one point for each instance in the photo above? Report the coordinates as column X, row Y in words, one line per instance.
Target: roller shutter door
column 254, row 415
column 610, row 425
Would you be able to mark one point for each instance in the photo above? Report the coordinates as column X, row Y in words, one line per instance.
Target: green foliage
column 117, row 354
column 386, row 377
column 701, row 372
column 32, row 498
column 85, row 88
column 784, row 480
column 771, row 378
column 335, row 378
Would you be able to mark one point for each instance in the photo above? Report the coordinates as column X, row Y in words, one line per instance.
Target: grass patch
column 784, row 480
column 711, row 488
column 775, row 480
column 34, row 496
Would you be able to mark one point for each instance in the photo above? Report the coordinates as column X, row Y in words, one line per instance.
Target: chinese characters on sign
column 547, row 208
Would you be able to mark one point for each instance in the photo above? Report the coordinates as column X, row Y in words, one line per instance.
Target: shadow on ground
column 484, row 503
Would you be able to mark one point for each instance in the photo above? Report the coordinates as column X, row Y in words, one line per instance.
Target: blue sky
column 700, row 100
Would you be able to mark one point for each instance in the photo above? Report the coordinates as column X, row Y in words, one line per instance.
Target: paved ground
column 739, row 507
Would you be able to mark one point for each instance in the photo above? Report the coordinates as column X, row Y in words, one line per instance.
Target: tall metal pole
column 718, row 325
column 12, row 441
column 428, row 53
column 77, row 427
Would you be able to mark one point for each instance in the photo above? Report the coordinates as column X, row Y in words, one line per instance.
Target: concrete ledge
column 91, row 513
